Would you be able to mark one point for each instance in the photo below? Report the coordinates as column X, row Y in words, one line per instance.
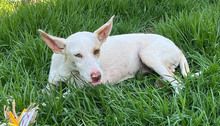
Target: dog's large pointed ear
column 55, row 43
column 104, row 31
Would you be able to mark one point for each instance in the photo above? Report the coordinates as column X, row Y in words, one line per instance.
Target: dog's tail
column 184, row 66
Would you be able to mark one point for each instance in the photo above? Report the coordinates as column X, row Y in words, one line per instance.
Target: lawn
column 193, row 25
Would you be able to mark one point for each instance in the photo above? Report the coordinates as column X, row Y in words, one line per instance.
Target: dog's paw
column 66, row 93
column 178, row 88
column 196, row 74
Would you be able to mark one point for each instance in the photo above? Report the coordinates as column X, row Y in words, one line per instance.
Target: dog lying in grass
column 96, row 57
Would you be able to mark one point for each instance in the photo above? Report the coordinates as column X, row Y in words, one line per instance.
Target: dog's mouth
column 96, row 82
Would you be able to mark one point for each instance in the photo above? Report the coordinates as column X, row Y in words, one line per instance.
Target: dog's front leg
column 56, row 76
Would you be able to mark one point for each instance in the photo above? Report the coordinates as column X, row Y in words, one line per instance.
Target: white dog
column 99, row 58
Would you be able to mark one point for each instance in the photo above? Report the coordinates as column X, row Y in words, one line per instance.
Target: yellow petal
column 10, row 124
column 12, row 118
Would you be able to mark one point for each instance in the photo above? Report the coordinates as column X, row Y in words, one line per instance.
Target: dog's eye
column 79, row 55
column 96, row 51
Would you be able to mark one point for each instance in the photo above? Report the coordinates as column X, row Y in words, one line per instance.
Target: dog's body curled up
column 99, row 58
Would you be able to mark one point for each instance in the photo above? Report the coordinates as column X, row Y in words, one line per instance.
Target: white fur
column 123, row 55
column 120, row 58
column 63, row 66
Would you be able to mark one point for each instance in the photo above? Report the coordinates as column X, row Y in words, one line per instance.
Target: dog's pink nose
column 96, row 76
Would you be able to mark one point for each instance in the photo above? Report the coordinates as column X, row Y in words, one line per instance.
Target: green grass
column 194, row 26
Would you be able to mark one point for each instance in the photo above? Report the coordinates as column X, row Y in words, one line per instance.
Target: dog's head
column 82, row 50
